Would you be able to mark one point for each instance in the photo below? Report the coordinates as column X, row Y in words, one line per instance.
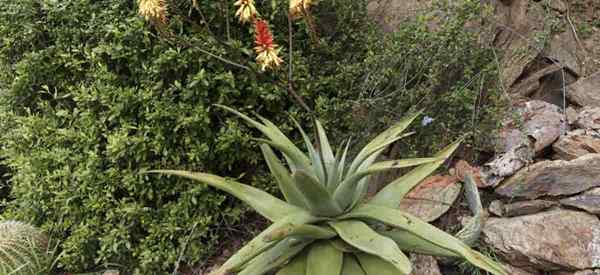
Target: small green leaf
column 275, row 257
column 364, row 238
column 324, row 259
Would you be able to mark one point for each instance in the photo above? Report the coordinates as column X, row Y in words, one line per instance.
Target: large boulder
column 576, row 144
column 553, row 240
column 586, row 91
column 554, row 178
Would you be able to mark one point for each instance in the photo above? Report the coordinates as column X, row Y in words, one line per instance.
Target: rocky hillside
column 542, row 187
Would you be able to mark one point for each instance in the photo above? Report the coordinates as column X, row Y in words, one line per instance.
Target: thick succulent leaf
column 364, row 238
column 345, row 191
column 265, row 204
column 392, row 194
column 307, row 231
column 470, row 233
column 315, row 157
column 284, row 179
column 389, row 134
column 327, row 156
column 341, row 167
column 318, row 200
column 294, row 162
column 297, row 266
column 275, row 257
column 410, row 242
column 259, row 244
column 351, row 266
column 340, row 245
column 373, row 265
column 292, row 152
column 426, row 232
column 324, row 259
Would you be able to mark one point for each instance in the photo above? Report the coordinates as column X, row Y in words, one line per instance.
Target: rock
column 521, row 208
column 526, row 207
column 581, row 272
column 518, row 21
column 497, row 208
column 554, row 178
column 518, row 271
column 506, row 165
column 572, row 115
column 588, row 201
column 576, row 144
column 529, row 85
column 553, row 240
column 558, row 5
column 462, row 168
column 432, row 198
column 586, row 91
column 589, row 118
column 424, row 265
column 563, row 49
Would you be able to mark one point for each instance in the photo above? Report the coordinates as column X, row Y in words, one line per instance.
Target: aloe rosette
column 326, row 226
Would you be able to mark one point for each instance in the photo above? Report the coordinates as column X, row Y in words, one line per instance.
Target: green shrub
column 92, row 96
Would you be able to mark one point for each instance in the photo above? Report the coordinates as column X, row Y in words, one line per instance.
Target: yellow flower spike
column 246, row 11
column 154, row 11
column 299, row 7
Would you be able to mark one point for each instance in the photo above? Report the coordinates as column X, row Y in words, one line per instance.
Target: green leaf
column 259, row 244
column 328, row 158
column 297, row 266
column 364, row 238
column 265, row 204
column 284, row 179
column 341, row 167
column 351, row 266
column 315, row 158
column 373, row 265
column 324, row 259
column 392, row 194
column 470, row 233
column 340, row 245
column 301, row 231
column 276, row 256
column 319, row 201
column 389, row 134
column 345, row 191
column 425, row 232
column 410, row 242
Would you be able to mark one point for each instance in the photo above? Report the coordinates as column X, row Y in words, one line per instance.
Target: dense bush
column 94, row 96
column 90, row 95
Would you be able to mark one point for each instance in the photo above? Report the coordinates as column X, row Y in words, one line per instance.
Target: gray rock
column 576, row 144
column 518, row 271
column 572, row 115
column 424, row 265
column 553, row 240
column 588, row 201
column 589, row 118
column 506, row 164
column 581, row 272
column 554, row 178
column 497, row 208
column 586, row 91
column 521, row 208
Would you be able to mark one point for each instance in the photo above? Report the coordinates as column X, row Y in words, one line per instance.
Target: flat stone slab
column 588, row 201
column 589, row 118
column 520, row 208
column 432, row 198
column 548, row 241
column 576, row 144
column 554, row 178
column 586, row 91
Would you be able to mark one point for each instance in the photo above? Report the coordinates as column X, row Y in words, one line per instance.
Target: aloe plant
column 23, row 249
column 326, row 226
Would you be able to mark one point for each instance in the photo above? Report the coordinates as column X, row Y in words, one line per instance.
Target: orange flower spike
column 246, row 11
column 267, row 51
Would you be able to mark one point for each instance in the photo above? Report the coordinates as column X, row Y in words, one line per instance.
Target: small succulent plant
column 326, row 226
column 23, row 249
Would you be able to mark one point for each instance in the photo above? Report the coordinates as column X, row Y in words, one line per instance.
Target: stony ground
column 541, row 190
